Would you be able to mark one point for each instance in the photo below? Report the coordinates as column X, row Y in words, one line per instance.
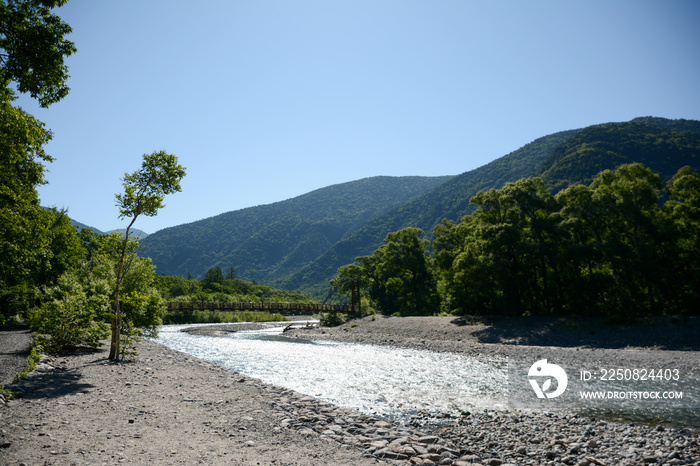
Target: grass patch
column 33, row 360
column 221, row 317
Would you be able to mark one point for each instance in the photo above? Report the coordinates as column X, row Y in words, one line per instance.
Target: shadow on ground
column 48, row 382
column 668, row 333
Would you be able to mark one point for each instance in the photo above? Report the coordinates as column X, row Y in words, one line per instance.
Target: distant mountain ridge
column 133, row 233
column 449, row 200
column 300, row 243
column 660, row 144
column 273, row 240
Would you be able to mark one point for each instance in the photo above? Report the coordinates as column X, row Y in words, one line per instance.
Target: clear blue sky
column 266, row 100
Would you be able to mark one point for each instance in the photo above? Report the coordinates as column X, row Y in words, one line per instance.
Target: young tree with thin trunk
column 144, row 191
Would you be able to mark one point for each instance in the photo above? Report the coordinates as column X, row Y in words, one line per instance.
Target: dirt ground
column 164, row 408
column 15, row 342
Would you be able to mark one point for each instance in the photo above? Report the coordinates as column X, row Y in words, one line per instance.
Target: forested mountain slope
column 660, row 144
column 273, row 240
column 300, row 243
column 561, row 159
column 449, row 200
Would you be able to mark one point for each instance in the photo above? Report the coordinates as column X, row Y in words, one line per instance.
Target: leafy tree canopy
column 32, row 50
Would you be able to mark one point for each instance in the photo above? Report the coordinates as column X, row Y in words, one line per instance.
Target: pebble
column 490, row 437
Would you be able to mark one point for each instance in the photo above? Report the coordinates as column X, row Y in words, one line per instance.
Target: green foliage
column 36, row 245
column 65, row 279
column 302, row 242
column 215, row 288
column 683, row 208
column 267, row 243
column 144, row 192
column 613, row 242
column 25, row 236
column 130, row 336
column 33, row 47
column 331, row 319
column 448, row 200
column 560, row 159
column 71, row 315
column 76, row 310
column 660, row 144
column 146, row 188
column 398, row 277
column 171, row 287
column 35, row 352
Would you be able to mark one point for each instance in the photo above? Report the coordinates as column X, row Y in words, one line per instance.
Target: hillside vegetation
column 449, row 200
column 269, row 241
column 300, row 243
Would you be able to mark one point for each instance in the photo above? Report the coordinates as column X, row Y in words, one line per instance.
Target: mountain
column 561, row 159
column 133, row 233
column 301, row 242
column 273, row 240
column 449, row 200
column 79, row 225
column 660, row 144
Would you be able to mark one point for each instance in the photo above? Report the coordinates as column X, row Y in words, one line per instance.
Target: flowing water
column 378, row 380
column 372, row 379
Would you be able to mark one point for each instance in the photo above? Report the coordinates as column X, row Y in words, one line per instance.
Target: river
column 379, row 380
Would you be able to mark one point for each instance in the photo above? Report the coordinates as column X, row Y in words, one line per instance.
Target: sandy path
column 14, row 351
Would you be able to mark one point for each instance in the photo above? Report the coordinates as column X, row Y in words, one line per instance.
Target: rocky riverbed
column 170, row 408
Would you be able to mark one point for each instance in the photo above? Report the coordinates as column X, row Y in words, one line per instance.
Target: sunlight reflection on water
column 381, row 380
column 376, row 380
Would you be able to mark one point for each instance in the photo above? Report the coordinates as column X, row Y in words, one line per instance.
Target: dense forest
column 624, row 245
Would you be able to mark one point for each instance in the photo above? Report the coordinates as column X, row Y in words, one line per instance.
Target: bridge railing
column 305, row 308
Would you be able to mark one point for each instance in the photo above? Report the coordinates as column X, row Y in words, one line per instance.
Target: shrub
column 331, row 319
column 70, row 317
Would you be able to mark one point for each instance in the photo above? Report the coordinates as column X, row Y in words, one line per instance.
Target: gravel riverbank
column 170, row 408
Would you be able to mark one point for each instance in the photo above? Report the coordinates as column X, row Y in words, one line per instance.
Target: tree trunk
column 115, row 347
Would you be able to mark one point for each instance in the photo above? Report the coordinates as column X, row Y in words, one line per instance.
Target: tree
column 144, row 192
column 513, row 242
column 683, row 207
column 72, row 315
column 401, row 271
column 32, row 50
column 76, row 310
column 634, row 236
column 213, row 279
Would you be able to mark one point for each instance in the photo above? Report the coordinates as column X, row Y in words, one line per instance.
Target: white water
column 396, row 382
column 375, row 380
